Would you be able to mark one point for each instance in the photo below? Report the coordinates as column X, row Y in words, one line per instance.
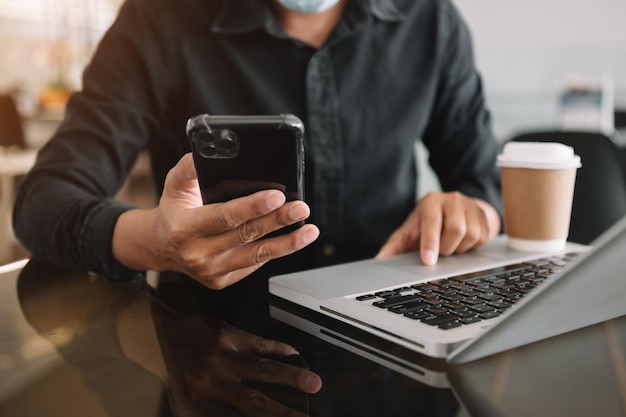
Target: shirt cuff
column 95, row 243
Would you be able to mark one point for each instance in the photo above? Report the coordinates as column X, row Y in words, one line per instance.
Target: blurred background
column 545, row 65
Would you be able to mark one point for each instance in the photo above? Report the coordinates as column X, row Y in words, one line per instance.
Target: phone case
column 239, row 155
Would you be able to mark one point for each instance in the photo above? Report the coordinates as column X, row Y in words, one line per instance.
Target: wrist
column 134, row 240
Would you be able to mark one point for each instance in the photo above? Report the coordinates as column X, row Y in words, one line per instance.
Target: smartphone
column 236, row 156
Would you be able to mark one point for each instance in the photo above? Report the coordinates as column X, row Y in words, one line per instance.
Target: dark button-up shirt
column 391, row 73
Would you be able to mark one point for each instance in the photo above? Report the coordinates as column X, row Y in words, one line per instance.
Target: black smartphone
column 239, row 155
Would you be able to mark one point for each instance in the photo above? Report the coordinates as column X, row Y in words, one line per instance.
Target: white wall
column 526, row 49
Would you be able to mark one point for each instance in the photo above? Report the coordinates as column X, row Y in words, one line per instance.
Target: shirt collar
column 257, row 14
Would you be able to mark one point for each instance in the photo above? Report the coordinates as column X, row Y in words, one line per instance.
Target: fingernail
column 310, row 235
column 430, row 257
column 313, row 383
column 276, row 200
column 299, row 212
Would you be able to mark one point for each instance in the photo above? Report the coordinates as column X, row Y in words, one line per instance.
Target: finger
column 261, row 251
column 182, row 181
column 431, row 221
column 274, row 371
column 291, row 213
column 454, row 224
column 477, row 229
column 231, row 266
column 259, row 346
column 221, row 217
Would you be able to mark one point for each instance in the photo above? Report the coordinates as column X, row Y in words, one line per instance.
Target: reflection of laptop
column 429, row 371
column 368, row 294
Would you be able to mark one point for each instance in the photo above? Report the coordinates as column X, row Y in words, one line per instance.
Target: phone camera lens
column 208, row 150
column 203, row 137
column 226, row 141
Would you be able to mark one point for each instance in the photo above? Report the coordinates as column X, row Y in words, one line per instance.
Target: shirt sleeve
column 462, row 148
column 65, row 210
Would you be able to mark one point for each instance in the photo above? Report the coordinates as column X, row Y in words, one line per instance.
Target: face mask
column 308, row 6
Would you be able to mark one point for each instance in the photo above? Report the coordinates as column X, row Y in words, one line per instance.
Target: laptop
column 471, row 305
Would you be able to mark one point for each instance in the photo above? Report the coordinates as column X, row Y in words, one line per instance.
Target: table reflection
column 152, row 352
column 155, row 351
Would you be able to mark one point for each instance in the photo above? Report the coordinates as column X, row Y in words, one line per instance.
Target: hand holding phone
column 236, row 156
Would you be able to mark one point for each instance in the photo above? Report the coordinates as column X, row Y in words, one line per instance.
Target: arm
column 65, row 211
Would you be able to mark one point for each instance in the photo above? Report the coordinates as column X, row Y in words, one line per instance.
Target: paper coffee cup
column 538, row 181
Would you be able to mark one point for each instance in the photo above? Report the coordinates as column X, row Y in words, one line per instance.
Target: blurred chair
column 620, row 119
column 600, row 193
column 11, row 128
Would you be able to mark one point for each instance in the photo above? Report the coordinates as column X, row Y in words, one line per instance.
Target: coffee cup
column 538, row 180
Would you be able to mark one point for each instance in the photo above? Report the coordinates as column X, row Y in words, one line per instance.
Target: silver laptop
column 472, row 305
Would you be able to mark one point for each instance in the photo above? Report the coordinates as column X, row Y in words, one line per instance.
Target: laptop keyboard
column 469, row 298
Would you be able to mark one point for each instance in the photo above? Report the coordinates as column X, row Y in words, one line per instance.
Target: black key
column 454, row 305
column 366, row 297
column 436, row 311
column 452, row 297
column 398, row 299
column 450, row 325
column 489, row 315
column 470, row 293
column 417, row 315
column 437, row 320
column 482, row 308
column 409, row 305
column 464, row 313
column 386, row 294
column 500, row 305
column 403, row 289
column 470, row 320
column 503, row 285
column 490, row 296
column 424, row 286
column 435, row 301
column 473, row 300
column 495, row 279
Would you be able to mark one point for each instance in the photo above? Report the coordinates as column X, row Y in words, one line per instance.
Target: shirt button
column 328, row 250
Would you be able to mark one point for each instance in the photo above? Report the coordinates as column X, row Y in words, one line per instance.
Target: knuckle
column 262, row 254
column 254, row 403
column 214, row 283
column 193, row 261
column 266, row 369
column 178, row 235
column 456, row 229
column 224, row 218
column 248, row 232
column 473, row 234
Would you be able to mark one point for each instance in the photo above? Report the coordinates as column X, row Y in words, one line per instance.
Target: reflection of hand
column 206, row 361
column 216, row 244
column 444, row 223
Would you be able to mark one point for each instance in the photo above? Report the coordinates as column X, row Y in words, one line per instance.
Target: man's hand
column 216, row 244
column 443, row 223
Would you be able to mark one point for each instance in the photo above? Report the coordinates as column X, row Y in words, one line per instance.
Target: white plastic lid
column 538, row 155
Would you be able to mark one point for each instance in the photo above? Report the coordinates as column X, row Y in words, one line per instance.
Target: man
column 368, row 78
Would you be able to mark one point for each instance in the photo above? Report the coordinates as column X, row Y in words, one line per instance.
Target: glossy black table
column 73, row 344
